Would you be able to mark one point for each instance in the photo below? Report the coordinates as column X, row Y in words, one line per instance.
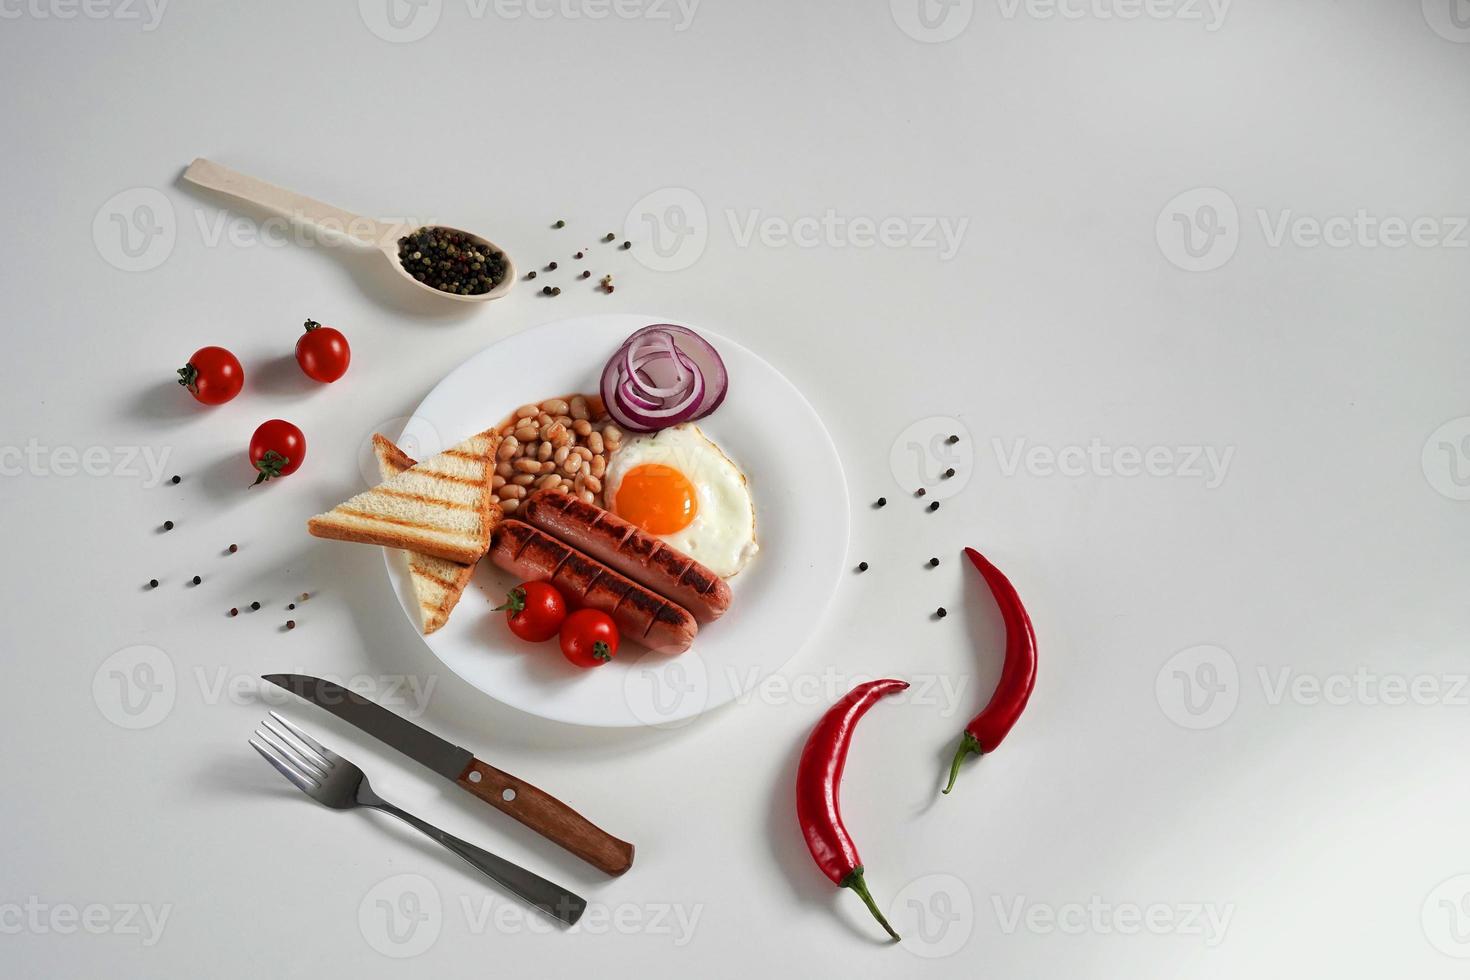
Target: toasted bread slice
column 437, row 583
column 442, row 507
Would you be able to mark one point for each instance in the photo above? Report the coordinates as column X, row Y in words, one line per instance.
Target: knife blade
column 515, row 797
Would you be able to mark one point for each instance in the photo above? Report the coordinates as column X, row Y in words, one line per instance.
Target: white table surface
column 1301, row 813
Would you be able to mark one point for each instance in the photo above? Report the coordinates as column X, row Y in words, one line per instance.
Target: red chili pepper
column 1017, row 676
column 818, row 782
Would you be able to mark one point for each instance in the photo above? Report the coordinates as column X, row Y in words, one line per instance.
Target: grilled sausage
column 630, row 550
column 533, row 555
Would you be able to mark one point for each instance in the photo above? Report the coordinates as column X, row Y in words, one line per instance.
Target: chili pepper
column 818, row 785
column 986, row 730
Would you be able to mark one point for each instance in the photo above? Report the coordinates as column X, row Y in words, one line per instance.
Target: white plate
column 764, row 425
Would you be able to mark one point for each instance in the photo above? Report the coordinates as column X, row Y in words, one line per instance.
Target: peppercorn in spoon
column 447, row 262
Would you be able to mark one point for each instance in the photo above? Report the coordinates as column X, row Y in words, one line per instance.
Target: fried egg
column 681, row 488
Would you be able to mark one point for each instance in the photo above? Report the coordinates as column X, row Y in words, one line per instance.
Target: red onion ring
column 633, row 392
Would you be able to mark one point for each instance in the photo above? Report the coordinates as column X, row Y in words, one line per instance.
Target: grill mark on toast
column 468, row 481
column 445, row 582
column 426, row 499
column 365, row 516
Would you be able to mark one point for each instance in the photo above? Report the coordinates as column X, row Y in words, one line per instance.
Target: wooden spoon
column 360, row 231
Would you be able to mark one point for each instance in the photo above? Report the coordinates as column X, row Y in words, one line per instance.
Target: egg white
column 722, row 535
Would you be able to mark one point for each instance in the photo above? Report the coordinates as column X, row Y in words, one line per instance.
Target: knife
column 543, row 813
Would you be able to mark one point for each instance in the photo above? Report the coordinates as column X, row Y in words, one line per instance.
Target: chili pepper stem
column 969, row 744
column 855, row 881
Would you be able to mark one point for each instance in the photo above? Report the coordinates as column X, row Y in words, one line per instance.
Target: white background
column 1327, row 830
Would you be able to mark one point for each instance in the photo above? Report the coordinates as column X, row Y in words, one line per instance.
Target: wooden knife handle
column 548, row 816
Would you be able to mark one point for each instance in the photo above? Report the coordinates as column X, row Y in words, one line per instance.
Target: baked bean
column 527, row 412
column 497, row 481
column 572, row 465
column 544, row 451
column 595, row 443
column 582, row 427
column 592, row 483
column 612, row 432
column 509, row 506
column 579, row 408
column 588, row 497
column 526, row 434
column 547, row 481
column 508, row 447
column 548, row 466
column 584, row 452
column 512, row 491
column 523, row 479
column 560, row 456
column 544, row 420
column 527, row 466
column 555, row 406
column 503, row 469
column 599, row 466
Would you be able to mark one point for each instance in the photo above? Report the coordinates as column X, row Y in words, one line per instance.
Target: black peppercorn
column 234, row 548
column 585, row 275
column 934, row 505
column 451, row 261
column 175, row 479
column 290, row 605
column 556, row 290
column 255, row 605
column 952, row 440
column 627, row 245
column 862, row 566
column 168, row 525
column 940, row 612
column 196, row 580
column 881, row 502
column 933, row 562
column 551, row 267
column 153, row 583
column 920, row 492
column 290, row 624
column 577, row 256
column 559, row 223
column 531, row 274
column 949, row 473
column 545, row 290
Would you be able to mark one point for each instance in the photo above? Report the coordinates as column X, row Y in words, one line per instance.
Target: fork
column 332, row 781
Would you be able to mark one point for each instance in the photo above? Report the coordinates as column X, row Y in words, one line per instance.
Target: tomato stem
column 515, row 601
column 189, row 378
column 270, row 466
column 601, row 651
column 311, row 325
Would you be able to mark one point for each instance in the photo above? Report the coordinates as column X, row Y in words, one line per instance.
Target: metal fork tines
column 335, row 782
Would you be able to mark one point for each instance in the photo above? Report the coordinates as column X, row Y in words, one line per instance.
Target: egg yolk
column 657, row 498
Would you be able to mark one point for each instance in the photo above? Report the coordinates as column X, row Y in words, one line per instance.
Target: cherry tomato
column 534, row 610
column 276, row 449
column 322, row 352
column 213, row 376
column 589, row 638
